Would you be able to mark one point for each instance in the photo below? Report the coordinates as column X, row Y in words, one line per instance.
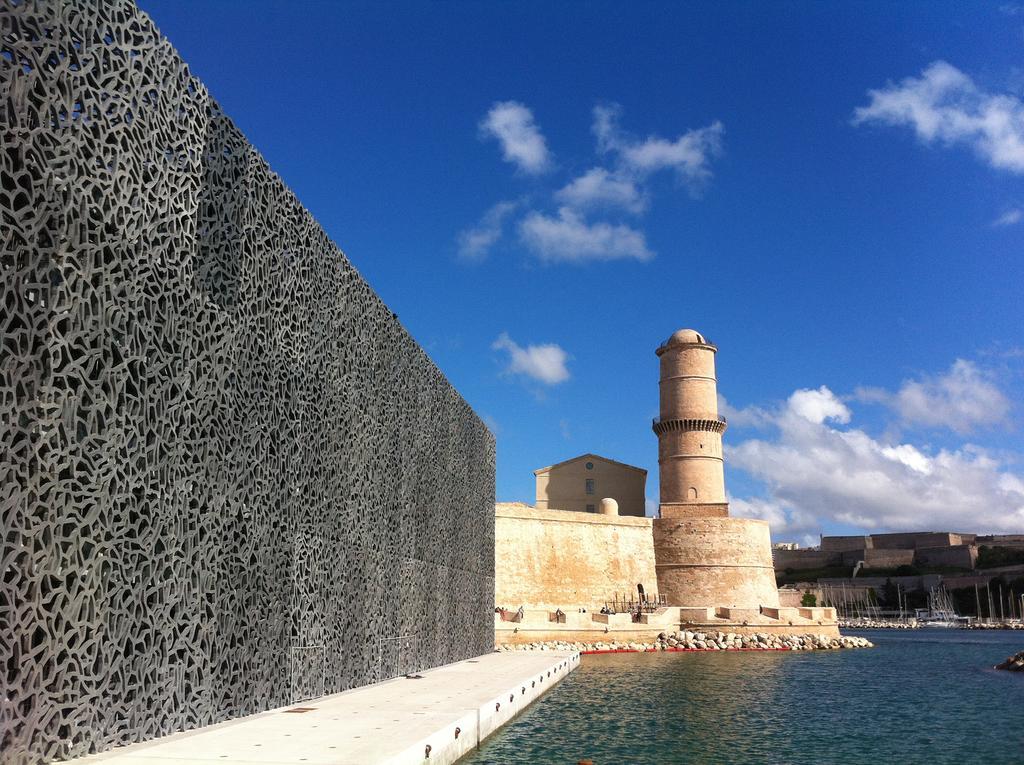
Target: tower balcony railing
column 715, row 424
column 719, row 417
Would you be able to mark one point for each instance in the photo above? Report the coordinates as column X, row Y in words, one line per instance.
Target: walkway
column 433, row 720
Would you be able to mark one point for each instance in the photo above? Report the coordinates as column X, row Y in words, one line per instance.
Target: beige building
column 579, row 485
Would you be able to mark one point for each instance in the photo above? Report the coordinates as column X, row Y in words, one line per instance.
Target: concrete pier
column 432, row 720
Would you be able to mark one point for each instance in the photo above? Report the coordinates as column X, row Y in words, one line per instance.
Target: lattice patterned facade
column 229, row 479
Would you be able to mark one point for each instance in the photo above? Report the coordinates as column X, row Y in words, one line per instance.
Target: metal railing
column 646, row 605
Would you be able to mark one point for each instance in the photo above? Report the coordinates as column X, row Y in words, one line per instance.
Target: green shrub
column 991, row 557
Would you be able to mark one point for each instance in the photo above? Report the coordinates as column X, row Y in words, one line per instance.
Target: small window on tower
column 590, row 509
column 590, row 486
column 692, row 493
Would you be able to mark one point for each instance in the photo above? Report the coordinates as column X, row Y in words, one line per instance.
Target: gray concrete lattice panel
column 229, row 479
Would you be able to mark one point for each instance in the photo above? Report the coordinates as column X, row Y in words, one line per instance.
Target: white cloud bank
column 963, row 399
column 568, row 238
column 815, row 471
column 945, row 105
column 544, row 363
column 522, row 143
column 475, row 243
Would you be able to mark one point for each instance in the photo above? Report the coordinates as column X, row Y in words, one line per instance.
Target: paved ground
column 391, row 722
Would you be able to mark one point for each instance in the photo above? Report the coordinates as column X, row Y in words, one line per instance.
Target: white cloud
column 962, row 399
column 786, row 523
column 816, row 472
column 945, row 105
column 568, row 238
column 747, row 417
column 563, row 427
column 689, row 154
column 599, row 188
column 818, row 405
column 521, row 141
column 475, row 243
column 1009, row 218
column 543, row 363
column 572, row 234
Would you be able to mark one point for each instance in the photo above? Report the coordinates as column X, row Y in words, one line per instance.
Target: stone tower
column 689, row 429
column 703, row 557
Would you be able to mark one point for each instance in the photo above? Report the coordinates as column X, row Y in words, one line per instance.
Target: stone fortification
column 231, row 479
column 956, row 556
column 911, row 540
column 1001, row 540
column 544, row 626
column 704, row 557
column 710, row 570
column 558, row 559
column 799, row 560
column 689, row 429
column 715, row 561
column 552, row 563
column 844, row 544
column 878, row 558
column 881, row 551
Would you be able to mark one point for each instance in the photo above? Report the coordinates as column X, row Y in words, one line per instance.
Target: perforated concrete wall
column 229, row 479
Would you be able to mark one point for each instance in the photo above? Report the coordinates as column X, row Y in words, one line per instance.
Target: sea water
column 925, row 696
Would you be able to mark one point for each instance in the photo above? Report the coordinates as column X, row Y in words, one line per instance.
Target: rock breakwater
column 914, row 624
column 702, row 641
column 879, row 624
column 1013, row 664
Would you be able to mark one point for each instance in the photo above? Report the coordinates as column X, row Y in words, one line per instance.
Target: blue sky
column 543, row 192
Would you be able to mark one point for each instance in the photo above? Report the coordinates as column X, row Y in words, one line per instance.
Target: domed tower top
column 686, row 337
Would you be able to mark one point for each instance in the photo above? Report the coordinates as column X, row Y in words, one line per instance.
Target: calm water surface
column 925, row 696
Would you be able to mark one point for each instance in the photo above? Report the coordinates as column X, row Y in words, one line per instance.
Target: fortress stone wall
column 715, row 561
column 229, row 478
column 797, row 560
column 549, row 559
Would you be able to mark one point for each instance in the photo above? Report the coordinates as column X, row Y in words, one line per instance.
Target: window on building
column 590, row 509
column 590, row 486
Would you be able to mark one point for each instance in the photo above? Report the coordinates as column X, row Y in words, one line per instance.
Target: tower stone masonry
column 703, row 557
column 689, row 429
